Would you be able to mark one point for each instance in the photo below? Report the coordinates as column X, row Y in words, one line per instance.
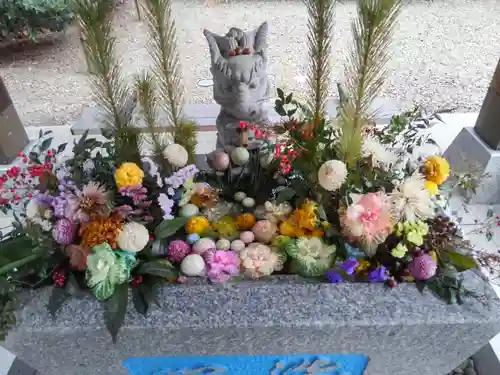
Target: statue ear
column 213, row 45
column 260, row 40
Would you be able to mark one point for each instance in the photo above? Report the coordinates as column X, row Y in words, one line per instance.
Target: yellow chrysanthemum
column 129, row 174
column 310, row 207
column 196, row 225
column 432, row 187
column 436, row 169
column 287, row 229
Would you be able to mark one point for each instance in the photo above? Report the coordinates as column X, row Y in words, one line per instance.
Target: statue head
column 239, row 69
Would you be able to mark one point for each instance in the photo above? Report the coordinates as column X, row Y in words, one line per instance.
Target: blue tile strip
column 337, row 364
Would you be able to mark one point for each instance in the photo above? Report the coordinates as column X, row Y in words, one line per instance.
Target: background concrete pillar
column 13, row 137
column 488, row 122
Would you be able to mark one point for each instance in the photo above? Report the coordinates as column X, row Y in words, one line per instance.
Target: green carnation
column 107, row 268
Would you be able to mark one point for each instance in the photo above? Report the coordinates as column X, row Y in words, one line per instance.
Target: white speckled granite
column 402, row 331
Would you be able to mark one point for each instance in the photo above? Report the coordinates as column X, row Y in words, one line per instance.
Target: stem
column 18, row 263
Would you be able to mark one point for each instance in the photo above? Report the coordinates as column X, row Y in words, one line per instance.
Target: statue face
column 241, row 83
column 241, row 91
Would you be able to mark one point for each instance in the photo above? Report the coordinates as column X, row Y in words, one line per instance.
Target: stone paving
column 443, row 55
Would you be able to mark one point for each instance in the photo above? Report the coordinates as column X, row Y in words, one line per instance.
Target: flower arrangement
column 331, row 199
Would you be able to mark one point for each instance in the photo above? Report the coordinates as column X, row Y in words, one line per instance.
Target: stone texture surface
column 402, row 331
column 468, row 153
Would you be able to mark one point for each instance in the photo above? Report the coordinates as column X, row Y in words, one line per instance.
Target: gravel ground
column 443, row 55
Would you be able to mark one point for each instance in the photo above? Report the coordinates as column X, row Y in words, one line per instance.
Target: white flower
column 33, row 209
column 310, row 250
column 258, row 260
column 380, row 155
column 277, row 212
column 332, row 174
column 133, row 238
column 176, row 155
column 411, row 201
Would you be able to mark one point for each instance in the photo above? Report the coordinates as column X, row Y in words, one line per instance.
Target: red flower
column 243, row 125
column 37, row 170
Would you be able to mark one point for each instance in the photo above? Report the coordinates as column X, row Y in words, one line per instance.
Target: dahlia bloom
column 222, row 265
column 91, row 200
column 176, row 155
column 133, row 237
column 129, row 174
column 367, row 220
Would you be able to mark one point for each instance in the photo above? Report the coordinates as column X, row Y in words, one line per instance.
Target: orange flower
column 245, row 221
column 101, row 230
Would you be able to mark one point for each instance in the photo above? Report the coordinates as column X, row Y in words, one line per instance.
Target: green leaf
column 140, row 303
column 420, row 286
column 61, row 147
column 489, row 214
column 116, row 308
column 461, row 262
column 281, row 94
column 288, row 99
column 45, row 144
column 162, row 269
column 168, row 228
column 285, row 195
column 56, row 300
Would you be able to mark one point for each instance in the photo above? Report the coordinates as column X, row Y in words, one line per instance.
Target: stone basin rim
column 261, row 304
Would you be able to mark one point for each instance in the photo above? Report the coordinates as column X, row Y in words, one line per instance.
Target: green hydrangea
column 412, row 231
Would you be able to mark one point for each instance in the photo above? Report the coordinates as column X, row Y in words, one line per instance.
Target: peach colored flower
column 367, row 220
column 258, row 260
column 77, row 255
column 91, row 200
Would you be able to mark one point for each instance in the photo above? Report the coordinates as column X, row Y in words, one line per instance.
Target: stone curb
column 11, row 365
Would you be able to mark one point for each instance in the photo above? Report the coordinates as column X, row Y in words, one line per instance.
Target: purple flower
column 378, row 275
column 180, row 177
column 333, row 277
column 166, row 205
column 349, row 266
column 45, row 199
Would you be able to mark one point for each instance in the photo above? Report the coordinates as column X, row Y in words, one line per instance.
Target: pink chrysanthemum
column 222, row 265
column 367, row 220
column 422, row 267
column 91, row 200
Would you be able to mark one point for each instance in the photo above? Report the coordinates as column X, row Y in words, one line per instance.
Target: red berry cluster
column 239, row 51
column 258, row 133
column 19, row 181
column 136, row 281
column 286, row 154
column 60, row 276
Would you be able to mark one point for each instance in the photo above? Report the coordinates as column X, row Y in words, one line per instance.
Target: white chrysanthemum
column 410, row 199
column 133, row 238
column 33, row 209
column 332, row 174
column 380, row 155
column 176, row 155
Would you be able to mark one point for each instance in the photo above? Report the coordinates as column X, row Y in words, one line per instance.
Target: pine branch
column 149, row 105
column 112, row 93
column 163, row 51
column 319, row 38
column 110, row 90
column 365, row 70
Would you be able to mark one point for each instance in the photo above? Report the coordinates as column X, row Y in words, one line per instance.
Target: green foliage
column 111, row 91
column 365, row 71
column 116, row 309
column 21, row 18
column 168, row 228
column 319, row 38
column 162, row 48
